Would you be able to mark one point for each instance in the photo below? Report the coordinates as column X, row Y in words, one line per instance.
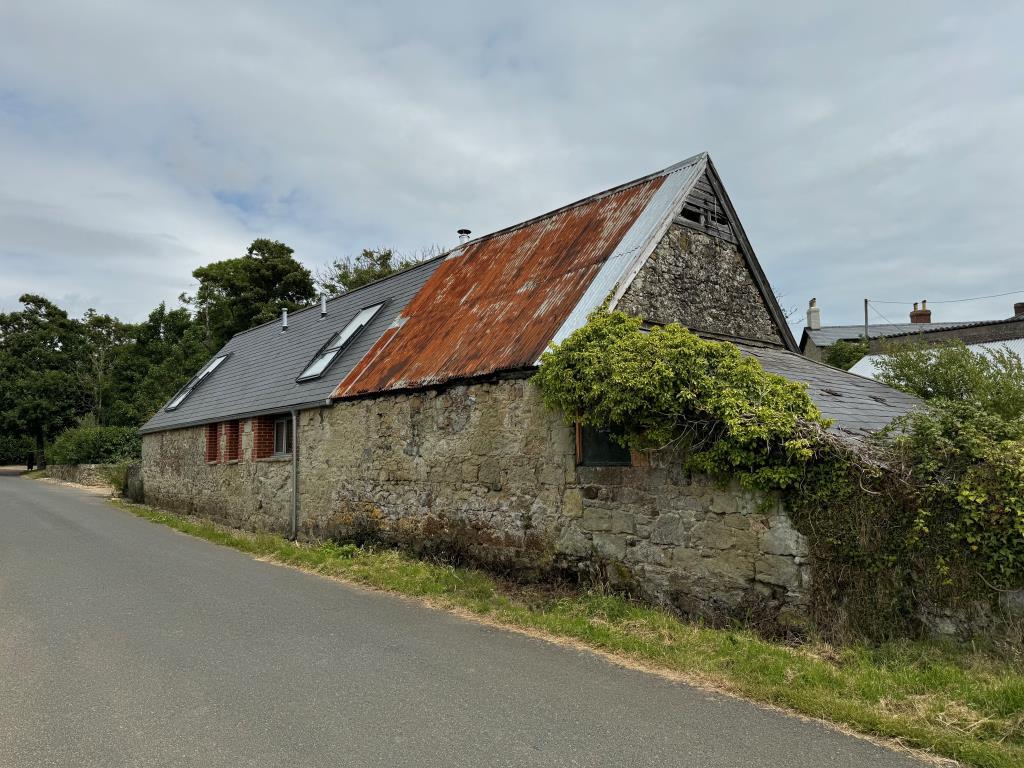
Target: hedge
column 95, row 445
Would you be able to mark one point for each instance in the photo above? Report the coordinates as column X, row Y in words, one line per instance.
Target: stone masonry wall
column 487, row 472
column 83, row 474
column 251, row 494
column 703, row 283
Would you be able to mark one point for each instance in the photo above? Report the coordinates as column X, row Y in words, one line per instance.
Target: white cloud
column 140, row 140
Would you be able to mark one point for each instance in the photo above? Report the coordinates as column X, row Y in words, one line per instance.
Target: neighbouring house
column 403, row 409
column 817, row 339
column 982, row 338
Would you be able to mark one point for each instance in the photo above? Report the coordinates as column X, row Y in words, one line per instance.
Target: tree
column 846, row 354
column 105, row 339
column 372, row 264
column 166, row 349
column 236, row 294
column 41, row 350
column 992, row 381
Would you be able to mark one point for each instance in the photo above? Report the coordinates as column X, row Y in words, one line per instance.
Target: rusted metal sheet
column 495, row 303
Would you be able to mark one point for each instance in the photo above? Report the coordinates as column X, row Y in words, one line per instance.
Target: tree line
column 59, row 371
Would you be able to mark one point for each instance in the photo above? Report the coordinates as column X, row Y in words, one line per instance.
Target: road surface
column 125, row 643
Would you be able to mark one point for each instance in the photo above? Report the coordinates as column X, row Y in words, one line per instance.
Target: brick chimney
column 813, row 316
column 1018, row 308
column 922, row 315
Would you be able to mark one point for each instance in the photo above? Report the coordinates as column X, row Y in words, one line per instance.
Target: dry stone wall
column 96, row 475
column 485, row 472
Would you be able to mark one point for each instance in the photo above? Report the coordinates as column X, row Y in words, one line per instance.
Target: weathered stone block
column 596, row 518
column 574, row 542
column 667, row 529
column 779, row 570
column 782, row 538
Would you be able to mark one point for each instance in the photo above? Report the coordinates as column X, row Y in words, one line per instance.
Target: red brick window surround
column 232, row 440
column 212, row 443
column 262, row 437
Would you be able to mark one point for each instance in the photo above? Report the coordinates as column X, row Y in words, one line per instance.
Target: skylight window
column 337, row 342
column 198, row 379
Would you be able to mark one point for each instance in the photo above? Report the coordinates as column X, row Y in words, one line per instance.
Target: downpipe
column 295, row 476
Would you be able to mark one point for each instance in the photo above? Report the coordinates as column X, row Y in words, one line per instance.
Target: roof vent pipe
column 323, row 305
column 284, row 320
column 813, row 316
column 464, row 235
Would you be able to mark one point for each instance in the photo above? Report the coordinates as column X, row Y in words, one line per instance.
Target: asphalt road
column 124, row 643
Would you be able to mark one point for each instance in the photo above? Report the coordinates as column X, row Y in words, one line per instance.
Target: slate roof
column 828, row 335
column 259, row 376
column 856, row 404
column 921, row 328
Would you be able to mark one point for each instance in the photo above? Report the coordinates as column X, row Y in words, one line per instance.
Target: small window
column 212, row 443
column 232, row 441
column 596, row 448
column 283, row 435
column 196, row 380
column 330, row 351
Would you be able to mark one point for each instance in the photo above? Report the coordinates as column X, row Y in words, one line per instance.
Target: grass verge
column 946, row 699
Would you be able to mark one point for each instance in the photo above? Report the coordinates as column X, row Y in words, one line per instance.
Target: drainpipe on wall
column 295, row 475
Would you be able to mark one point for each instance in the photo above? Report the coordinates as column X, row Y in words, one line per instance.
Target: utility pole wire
column 951, row 301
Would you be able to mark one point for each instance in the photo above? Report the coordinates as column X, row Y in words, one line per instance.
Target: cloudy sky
column 873, row 151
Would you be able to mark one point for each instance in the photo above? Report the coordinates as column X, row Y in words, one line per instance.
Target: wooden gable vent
column 703, row 211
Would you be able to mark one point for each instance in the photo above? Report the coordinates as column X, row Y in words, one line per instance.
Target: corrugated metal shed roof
column 259, row 376
column 868, row 365
column 828, row 335
column 858, row 406
column 495, row 303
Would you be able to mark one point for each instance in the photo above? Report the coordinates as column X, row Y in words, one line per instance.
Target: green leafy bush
column 967, row 468
column 95, row 445
column 846, row 354
column 992, row 381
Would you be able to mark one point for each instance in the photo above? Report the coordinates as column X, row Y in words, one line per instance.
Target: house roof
column 857, row 405
column 259, row 376
column 920, row 328
column 828, row 335
column 495, row 303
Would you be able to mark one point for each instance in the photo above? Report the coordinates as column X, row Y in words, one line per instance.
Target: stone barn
column 403, row 410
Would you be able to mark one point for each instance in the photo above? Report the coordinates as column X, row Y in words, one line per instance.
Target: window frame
column 581, row 452
column 205, row 372
column 335, row 352
column 289, row 436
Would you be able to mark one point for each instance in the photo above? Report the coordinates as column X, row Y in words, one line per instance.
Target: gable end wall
column 702, row 282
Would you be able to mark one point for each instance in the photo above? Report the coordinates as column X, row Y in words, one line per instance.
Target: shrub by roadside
column 95, row 445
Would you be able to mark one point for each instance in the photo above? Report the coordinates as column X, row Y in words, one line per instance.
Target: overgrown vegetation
column 927, row 516
column 95, row 445
column 953, row 701
column 993, row 382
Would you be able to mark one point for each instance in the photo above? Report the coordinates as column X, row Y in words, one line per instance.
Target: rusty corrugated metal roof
column 495, row 303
